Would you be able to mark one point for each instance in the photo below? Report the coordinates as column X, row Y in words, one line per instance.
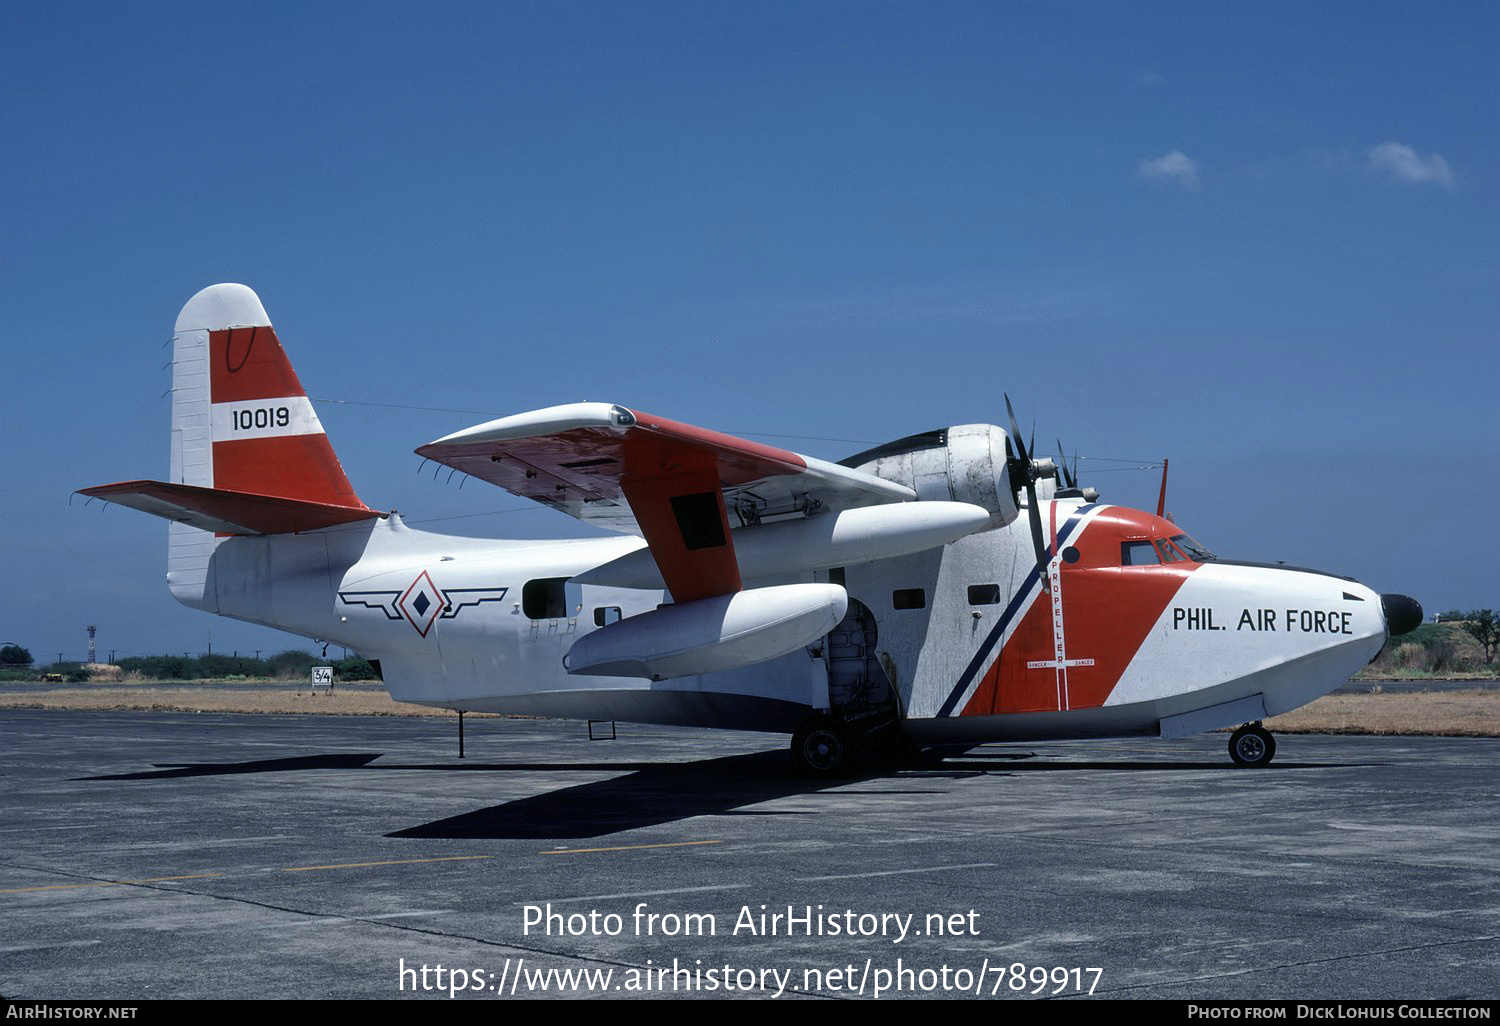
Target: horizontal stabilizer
column 228, row 512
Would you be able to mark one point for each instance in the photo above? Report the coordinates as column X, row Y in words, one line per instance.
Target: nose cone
column 1402, row 614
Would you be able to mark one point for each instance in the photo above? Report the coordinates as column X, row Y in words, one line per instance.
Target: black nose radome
column 1402, row 614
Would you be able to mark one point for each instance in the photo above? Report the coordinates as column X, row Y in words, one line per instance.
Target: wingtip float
column 898, row 592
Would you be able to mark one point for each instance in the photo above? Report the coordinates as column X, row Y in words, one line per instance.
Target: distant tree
column 1484, row 625
column 291, row 664
column 209, row 666
column 355, row 668
column 14, row 656
column 1451, row 616
column 163, row 667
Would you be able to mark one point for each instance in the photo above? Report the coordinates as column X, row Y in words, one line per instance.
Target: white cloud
column 1403, row 165
column 1176, row 168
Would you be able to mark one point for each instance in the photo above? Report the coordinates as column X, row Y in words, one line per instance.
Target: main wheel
column 822, row 749
column 1252, row 745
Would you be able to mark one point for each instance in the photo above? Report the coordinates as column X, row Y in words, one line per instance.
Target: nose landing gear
column 1252, row 745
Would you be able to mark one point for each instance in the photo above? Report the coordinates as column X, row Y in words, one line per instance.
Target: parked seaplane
column 946, row 589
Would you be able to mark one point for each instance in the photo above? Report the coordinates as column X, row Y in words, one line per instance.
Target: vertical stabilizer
column 240, row 421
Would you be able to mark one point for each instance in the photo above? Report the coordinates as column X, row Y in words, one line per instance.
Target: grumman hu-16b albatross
column 946, row 589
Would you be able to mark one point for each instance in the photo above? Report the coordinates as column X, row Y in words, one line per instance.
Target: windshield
column 1196, row 552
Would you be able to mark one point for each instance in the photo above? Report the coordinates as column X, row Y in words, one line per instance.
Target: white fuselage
column 960, row 637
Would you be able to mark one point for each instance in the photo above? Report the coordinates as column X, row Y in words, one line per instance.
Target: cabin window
column 984, row 594
column 545, row 599
column 909, row 598
column 1138, row 553
column 605, row 615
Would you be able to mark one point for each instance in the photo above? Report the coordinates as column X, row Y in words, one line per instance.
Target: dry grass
column 1447, row 713
column 363, row 701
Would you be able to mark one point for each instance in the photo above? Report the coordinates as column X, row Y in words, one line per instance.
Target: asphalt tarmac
column 156, row 855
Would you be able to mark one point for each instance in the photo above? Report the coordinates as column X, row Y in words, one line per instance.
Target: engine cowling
column 967, row 463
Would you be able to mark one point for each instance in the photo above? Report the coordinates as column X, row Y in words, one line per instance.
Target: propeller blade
column 1036, row 533
column 1070, row 478
column 1033, row 508
column 1015, row 429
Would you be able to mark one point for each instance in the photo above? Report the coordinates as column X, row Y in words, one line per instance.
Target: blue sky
column 1257, row 239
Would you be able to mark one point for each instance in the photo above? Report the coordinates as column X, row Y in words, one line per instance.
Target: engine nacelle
column 967, row 463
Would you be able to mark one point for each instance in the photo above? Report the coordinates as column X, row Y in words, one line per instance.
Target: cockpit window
column 1169, row 553
column 1196, row 552
column 1138, row 553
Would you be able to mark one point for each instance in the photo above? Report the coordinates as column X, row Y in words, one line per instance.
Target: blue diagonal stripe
column 981, row 658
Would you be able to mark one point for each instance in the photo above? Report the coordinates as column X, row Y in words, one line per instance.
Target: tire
column 1252, row 745
column 822, row 749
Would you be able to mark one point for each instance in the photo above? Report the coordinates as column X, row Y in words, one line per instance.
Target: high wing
column 681, row 487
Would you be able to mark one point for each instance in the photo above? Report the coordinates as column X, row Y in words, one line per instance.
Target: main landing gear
column 823, row 747
column 832, row 746
column 1252, row 745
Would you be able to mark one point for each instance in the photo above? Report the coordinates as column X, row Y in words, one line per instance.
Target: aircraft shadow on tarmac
column 165, row 770
column 646, row 794
column 663, row 793
column 650, row 793
column 655, row 793
column 1054, row 765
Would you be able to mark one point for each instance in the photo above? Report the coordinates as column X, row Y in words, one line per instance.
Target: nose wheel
column 1252, row 745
